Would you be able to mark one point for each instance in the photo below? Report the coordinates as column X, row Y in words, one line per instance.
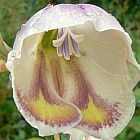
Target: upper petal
column 110, row 50
column 105, row 100
column 66, row 15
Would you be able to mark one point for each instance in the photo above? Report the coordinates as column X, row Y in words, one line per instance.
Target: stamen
column 60, row 33
column 67, row 43
column 60, row 51
column 75, row 47
column 56, row 137
column 60, row 48
column 66, row 49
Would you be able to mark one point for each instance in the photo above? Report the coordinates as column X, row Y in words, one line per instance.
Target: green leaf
column 4, row 49
column 135, row 121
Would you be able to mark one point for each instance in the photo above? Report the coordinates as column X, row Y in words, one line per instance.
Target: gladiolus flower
column 72, row 66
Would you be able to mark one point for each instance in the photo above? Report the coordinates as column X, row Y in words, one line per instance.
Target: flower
column 72, row 66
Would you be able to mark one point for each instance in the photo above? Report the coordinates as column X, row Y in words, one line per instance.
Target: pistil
column 56, row 137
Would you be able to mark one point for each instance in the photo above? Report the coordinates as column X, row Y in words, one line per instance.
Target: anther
column 67, row 43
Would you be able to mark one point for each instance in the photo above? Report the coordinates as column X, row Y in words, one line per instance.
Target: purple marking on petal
column 81, row 6
column 57, row 76
column 81, row 100
column 44, row 83
column 66, row 48
column 34, row 89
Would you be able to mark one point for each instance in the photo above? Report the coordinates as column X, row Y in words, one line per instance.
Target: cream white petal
column 66, row 15
column 59, row 16
column 113, row 90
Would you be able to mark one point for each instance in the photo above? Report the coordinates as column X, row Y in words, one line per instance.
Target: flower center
column 67, row 43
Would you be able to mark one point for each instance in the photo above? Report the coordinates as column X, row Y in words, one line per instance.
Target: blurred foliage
column 13, row 13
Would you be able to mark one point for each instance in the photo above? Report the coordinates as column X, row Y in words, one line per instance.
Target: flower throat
column 66, row 42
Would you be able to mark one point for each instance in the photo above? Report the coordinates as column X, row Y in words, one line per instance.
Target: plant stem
column 56, row 137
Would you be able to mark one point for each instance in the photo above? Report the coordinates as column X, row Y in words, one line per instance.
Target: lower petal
column 36, row 97
column 105, row 100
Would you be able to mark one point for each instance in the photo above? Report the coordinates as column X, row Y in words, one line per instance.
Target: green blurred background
column 15, row 12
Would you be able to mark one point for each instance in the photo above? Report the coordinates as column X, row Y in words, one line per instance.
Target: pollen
column 67, row 43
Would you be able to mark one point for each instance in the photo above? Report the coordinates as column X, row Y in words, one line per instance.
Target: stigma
column 67, row 43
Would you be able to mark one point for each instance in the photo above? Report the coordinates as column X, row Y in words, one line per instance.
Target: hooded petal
column 67, row 15
column 111, row 50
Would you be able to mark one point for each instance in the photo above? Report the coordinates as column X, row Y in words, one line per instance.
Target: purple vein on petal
column 81, row 99
column 57, row 76
column 34, row 89
column 43, row 81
